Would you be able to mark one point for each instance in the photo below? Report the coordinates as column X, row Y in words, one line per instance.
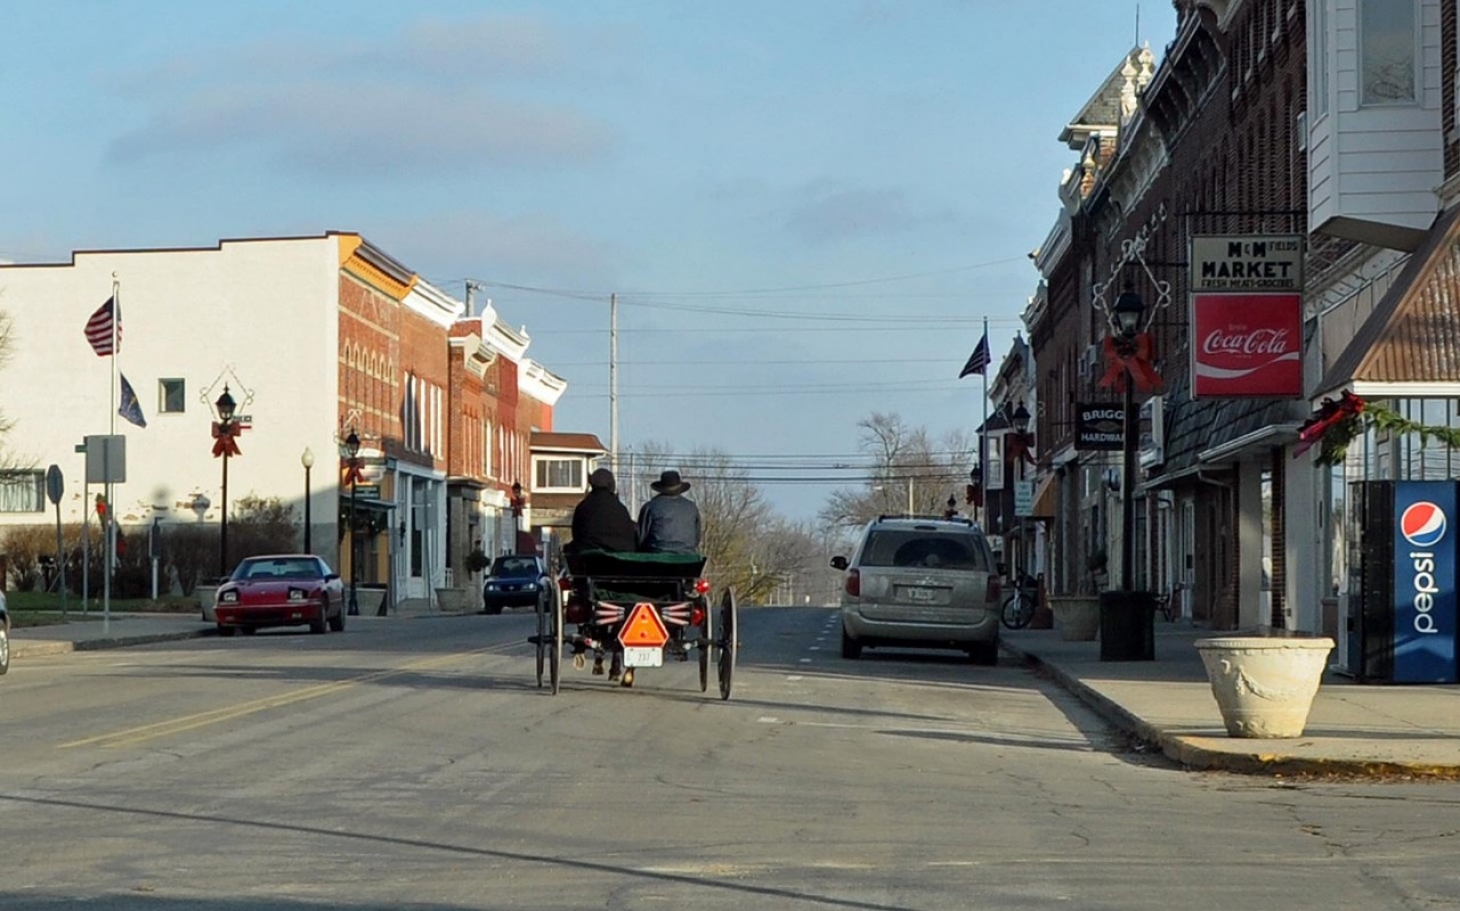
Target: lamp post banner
column 1246, row 345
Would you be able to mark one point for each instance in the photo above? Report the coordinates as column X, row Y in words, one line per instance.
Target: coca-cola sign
column 1246, row 345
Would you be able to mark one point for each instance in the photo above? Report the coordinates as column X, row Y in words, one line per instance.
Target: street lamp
column 224, row 446
column 1126, row 615
column 307, row 460
column 352, row 473
column 1128, row 311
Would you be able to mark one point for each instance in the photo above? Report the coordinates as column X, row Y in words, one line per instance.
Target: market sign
column 1247, row 262
column 1099, row 426
column 1246, row 345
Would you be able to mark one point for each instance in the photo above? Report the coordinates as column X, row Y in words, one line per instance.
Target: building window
column 1387, row 51
column 22, row 491
column 171, row 396
column 559, row 474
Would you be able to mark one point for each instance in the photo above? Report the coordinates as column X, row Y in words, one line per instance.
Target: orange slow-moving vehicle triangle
column 643, row 628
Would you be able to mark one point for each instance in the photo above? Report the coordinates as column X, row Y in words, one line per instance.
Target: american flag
column 104, row 329
column 978, row 361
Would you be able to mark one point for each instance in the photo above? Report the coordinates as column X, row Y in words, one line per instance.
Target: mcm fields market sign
column 1246, row 316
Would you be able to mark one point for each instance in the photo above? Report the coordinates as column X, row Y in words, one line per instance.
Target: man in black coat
column 600, row 520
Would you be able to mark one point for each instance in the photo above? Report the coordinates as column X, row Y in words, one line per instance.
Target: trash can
column 1127, row 626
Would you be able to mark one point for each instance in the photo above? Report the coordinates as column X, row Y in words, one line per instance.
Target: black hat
column 670, row 482
column 601, row 479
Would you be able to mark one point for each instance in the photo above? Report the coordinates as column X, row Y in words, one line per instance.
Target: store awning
column 1250, row 446
column 1045, row 494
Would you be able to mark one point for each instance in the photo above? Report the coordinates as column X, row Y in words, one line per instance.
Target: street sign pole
column 55, row 486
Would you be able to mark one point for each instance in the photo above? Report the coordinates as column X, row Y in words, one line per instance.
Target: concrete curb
column 21, row 649
column 1193, row 755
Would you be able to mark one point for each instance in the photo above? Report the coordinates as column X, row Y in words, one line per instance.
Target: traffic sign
column 643, row 629
column 55, row 484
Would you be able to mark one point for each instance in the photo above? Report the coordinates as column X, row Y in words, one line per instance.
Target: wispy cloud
column 827, row 212
column 448, row 95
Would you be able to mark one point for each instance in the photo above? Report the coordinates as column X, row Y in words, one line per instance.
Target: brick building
column 316, row 337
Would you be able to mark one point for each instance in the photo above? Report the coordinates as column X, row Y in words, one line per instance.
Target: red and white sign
column 1246, row 345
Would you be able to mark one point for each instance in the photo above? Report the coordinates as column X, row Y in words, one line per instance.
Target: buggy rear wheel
column 706, row 633
column 555, row 655
column 541, row 638
column 728, row 643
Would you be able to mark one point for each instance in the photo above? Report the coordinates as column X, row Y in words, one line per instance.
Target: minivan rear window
column 908, row 548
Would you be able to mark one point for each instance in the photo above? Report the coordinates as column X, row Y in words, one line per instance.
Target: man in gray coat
column 670, row 522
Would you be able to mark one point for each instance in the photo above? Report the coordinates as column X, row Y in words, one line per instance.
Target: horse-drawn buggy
column 636, row 610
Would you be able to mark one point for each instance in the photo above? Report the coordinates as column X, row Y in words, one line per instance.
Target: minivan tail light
column 854, row 583
column 993, row 590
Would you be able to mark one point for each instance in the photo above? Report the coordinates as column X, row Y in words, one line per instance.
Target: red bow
column 1329, row 413
column 353, row 474
column 1131, row 357
column 973, row 494
column 224, row 442
column 1019, row 447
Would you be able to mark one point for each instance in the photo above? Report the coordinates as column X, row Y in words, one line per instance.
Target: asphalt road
column 415, row 764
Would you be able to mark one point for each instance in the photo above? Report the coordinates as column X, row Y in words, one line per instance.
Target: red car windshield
column 277, row 568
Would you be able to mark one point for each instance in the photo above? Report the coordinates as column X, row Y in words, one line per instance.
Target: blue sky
column 806, row 207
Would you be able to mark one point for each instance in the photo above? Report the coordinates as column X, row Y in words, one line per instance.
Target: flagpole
column 983, row 446
column 109, row 532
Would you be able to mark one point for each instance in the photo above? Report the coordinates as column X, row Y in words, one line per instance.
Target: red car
column 281, row 590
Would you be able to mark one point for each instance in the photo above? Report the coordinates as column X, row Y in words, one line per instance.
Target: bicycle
column 1018, row 608
column 1163, row 603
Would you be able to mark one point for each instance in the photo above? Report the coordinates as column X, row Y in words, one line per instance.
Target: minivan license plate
column 923, row 595
column 638, row 656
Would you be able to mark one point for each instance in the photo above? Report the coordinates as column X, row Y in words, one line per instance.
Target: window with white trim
column 1388, row 52
column 22, row 491
column 558, row 474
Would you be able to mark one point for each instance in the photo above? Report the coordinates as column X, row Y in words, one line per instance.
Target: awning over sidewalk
column 1412, row 335
column 1045, row 495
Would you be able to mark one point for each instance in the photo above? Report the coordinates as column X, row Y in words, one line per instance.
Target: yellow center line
column 142, row 733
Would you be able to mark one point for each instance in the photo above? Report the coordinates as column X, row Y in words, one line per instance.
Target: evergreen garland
column 1337, row 438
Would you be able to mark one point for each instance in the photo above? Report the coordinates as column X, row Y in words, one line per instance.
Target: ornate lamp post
column 1127, row 616
column 307, row 460
column 225, row 446
column 352, row 474
column 1019, row 418
column 1128, row 310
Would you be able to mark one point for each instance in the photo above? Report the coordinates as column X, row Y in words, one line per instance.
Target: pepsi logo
column 1423, row 524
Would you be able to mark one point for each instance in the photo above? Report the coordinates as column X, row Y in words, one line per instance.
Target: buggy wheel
column 541, row 638
column 555, row 655
column 707, row 636
column 729, row 633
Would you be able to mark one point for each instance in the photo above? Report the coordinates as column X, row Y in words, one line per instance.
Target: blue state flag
column 130, row 408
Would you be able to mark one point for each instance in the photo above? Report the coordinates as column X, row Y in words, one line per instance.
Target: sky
column 806, row 208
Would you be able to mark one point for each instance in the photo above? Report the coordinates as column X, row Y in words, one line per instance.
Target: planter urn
column 1076, row 616
column 1264, row 686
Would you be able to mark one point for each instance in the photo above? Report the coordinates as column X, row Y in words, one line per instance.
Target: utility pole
column 613, row 382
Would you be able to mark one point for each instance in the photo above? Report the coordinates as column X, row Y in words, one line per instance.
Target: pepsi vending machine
column 1401, row 595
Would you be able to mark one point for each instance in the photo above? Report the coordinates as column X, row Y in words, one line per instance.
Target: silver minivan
column 916, row 582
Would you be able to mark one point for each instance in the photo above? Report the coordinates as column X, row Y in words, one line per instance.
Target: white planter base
column 1264, row 686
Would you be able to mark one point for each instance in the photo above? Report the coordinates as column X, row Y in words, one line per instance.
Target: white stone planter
column 1076, row 616
column 1264, row 686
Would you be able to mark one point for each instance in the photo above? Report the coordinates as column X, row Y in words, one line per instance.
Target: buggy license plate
column 638, row 656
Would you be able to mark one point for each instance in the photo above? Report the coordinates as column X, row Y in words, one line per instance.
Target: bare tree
column 910, row 473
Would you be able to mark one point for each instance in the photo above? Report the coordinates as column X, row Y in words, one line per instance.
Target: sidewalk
column 1353, row 729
